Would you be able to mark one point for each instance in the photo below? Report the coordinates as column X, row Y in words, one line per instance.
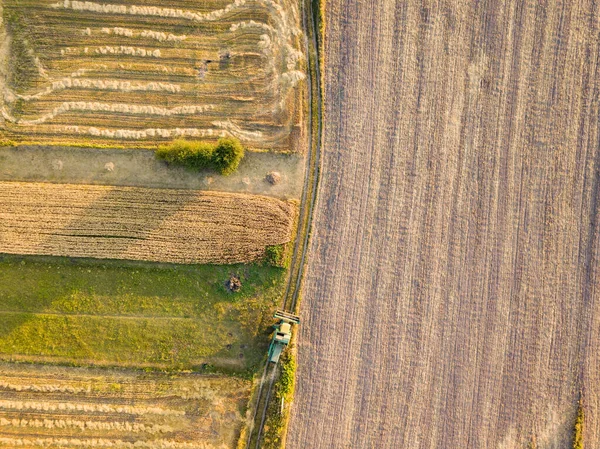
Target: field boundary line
column 308, row 199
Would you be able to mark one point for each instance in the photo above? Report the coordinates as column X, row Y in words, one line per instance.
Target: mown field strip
column 69, row 407
column 160, row 57
column 140, row 224
column 78, row 407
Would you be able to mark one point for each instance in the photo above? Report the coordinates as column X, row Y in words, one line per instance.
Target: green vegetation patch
column 224, row 156
column 136, row 314
column 578, row 428
column 279, row 255
column 278, row 417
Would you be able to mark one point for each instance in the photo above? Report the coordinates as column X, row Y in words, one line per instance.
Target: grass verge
column 116, row 313
column 278, row 414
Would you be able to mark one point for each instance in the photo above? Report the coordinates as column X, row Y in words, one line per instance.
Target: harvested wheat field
column 452, row 295
column 43, row 406
column 141, row 71
column 160, row 225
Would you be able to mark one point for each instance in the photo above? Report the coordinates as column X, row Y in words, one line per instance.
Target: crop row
column 99, row 443
column 51, row 424
column 71, row 407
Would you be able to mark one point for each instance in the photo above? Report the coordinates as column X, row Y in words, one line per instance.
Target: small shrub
column 274, row 255
column 234, row 284
column 223, row 157
column 285, row 386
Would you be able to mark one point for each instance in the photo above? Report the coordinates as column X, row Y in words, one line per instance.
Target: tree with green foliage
column 224, row 156
column 227, row 155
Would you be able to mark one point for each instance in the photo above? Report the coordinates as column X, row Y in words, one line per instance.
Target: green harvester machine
column 282, row 335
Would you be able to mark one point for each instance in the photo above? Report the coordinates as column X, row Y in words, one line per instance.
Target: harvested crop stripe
column 146, row 133
column 115, row 85
column 98, row 442
column 121, row 426
column 178, row 226
column 116, row 108
column 66, row 407
column 139, row 10
column 151, row 34
column 42, row 388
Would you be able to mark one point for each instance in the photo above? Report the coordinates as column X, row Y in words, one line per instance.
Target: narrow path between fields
column 139, row 168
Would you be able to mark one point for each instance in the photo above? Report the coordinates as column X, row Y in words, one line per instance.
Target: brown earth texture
column 451, row 298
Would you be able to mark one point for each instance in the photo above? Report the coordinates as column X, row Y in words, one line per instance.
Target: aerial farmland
column 152, row 164
column 452, row 294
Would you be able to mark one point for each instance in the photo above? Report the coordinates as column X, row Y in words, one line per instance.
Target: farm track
column 452, row 295
column 307, row 203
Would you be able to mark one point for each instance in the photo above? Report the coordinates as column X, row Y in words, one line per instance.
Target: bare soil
column 451, row 298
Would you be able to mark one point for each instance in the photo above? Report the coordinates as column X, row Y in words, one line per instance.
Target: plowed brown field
column 451, row 299
column 179, row 226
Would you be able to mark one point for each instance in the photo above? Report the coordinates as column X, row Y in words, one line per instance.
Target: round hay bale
column 273, row 178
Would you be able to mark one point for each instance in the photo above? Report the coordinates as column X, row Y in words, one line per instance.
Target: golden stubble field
column 142, row 71
column 451, row 298
column 160, row 225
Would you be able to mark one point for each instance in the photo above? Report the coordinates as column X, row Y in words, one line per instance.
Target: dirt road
column 139, row 168
column 451, row 298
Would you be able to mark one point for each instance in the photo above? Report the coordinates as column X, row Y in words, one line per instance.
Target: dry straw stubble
column 178, row 226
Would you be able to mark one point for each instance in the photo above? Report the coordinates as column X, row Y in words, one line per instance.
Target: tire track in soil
column 451, row 296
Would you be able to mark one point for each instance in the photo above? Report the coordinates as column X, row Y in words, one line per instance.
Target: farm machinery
column 282, row 335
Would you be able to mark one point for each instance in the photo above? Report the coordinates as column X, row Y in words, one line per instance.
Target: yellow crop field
column 162, row 225
column 44, row 406
column 121, row 70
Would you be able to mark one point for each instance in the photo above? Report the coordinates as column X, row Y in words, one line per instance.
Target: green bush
column 224, row 156
column 227, row 155
column 274, row 255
